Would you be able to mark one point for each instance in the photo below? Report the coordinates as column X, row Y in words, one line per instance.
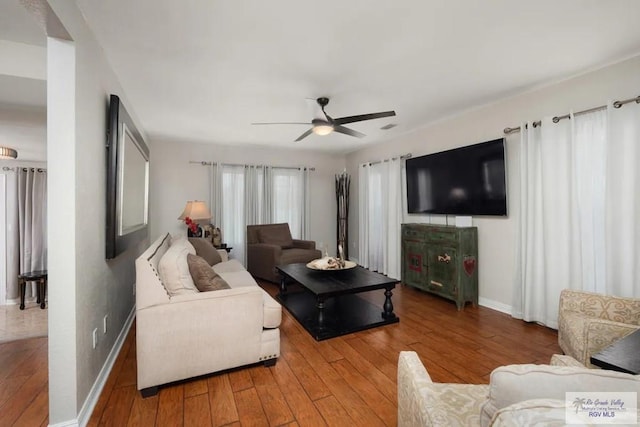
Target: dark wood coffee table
column 622, row 356
column 327, row 306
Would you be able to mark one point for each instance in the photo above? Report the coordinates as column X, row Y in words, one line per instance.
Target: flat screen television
column 466, row 181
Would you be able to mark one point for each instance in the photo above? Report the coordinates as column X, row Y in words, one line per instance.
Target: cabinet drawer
column 412, row 233
column 442, row 237
column 446, row 289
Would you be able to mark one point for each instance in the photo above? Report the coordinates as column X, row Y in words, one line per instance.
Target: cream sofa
column 197, row 333
column 517, row 395
column 588, row 322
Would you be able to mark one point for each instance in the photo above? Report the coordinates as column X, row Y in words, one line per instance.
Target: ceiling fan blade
column 282, row 123
column 304, row 135
column 363, row 117
column 347, row 131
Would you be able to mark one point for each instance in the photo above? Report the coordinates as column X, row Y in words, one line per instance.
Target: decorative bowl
column 329, row 264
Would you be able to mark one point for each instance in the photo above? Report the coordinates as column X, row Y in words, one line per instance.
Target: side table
column 39, row 276
column 622, row 356
column 225, row 247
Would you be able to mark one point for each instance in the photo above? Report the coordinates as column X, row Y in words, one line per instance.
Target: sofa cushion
column 205, row 250
column 534, row 412
column 232, row 265
column 174, row 270
column 514, row 383
column 292, row 256
column 203, row 275
column 276, row 235
column 237, row 277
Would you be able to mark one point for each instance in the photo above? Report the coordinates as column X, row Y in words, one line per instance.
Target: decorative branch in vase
column 343, row 181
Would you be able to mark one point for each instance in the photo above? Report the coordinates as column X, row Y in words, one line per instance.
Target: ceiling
column 203, row 70
column 17, row 25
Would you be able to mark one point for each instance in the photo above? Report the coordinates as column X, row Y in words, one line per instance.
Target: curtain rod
column 556, row 119
column 403, row 157
column 204, row 163
column 6, row 168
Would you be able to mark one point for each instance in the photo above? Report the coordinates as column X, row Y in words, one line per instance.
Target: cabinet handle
column 433, row 282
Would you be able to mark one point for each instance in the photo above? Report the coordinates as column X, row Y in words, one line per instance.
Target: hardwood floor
column 24, row 395
column 350, row 380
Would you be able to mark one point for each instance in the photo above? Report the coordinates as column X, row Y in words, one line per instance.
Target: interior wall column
column 61, row 221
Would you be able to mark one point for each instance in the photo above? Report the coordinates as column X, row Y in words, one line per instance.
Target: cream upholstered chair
column 517, row 395
column 589, row 322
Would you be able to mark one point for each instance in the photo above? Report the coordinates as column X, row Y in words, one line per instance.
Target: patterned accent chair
column 589, row 322
column 517, row 395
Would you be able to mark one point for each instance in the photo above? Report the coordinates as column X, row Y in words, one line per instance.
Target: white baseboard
column 98, row 385
column 68, row 423
column 16, row 301
column 495, row 305
column 94, row 394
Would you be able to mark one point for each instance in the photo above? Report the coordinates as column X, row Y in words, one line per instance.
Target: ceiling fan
column 329, row 124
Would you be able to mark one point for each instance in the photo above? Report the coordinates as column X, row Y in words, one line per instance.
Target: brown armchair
column 269, row 245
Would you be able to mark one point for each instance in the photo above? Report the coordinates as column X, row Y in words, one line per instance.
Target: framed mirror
column 127, row 182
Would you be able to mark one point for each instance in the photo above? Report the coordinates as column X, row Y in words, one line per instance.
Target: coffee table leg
column 388, row 305
column 320, row 307
column 283, row 284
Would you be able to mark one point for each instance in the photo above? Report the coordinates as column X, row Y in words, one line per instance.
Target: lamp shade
column 196, row 210
column 8, row 153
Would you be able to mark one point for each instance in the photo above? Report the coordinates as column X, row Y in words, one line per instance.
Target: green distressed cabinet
column 442, row 260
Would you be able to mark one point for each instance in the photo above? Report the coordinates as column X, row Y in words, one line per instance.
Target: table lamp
column 194, row 213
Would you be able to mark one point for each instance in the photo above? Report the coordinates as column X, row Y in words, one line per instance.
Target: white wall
column 497, row 236
column 83, row 286
column 25, row 130
column 174, row 181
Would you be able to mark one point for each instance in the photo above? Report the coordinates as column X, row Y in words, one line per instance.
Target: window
column 288, row 200
column 245, row 195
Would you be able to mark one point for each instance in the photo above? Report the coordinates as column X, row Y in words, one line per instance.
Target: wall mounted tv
column 464, row 181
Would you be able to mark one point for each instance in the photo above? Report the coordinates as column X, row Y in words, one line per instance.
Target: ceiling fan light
column 324, row 129
column 8, row 153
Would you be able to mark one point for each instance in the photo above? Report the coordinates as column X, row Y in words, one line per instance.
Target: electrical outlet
column 104, row 323
column 95, row 337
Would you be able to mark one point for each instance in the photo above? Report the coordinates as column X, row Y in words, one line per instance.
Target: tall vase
column 342, row 197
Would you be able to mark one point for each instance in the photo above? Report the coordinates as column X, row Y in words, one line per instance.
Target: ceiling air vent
column 389, row 126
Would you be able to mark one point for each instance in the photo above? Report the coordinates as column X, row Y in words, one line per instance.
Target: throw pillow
column 205, row 250
column 280, row 236
column 174, row 271
column 204, row 277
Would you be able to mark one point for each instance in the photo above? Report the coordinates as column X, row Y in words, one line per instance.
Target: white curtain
column 26, row 227
column 255, row 183
column 363, row 215
column 622, row 241
column 380, row 207
column 232, row 204
column 290, row 199
column 578, row 195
